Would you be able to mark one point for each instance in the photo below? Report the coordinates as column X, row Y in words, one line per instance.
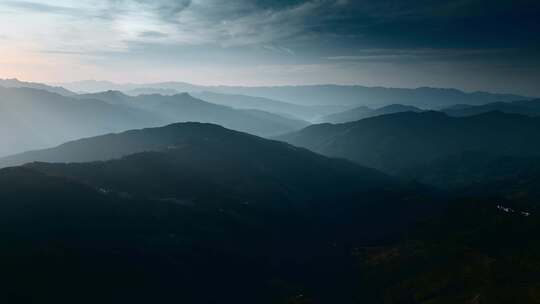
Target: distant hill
column 183, row 107
column 523, row 107
column 15, row 83
column 309, row 95
column 279, row 107
column 151, row 91
column 398, row 141
column 95, row 86
column 365, row 112
column 35, row 119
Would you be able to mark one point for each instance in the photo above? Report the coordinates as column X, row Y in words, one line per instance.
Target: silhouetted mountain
column 36, row 119
column 248, row 218
column 282, row 108
column 398, row 141
column 425, row 98
column 184, row 107
column 365, row 112
column 112, row 146
column 523, row 107
column 15, row 83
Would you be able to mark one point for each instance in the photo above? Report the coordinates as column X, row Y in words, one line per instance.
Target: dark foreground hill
column 217, row 216
column 399, row 141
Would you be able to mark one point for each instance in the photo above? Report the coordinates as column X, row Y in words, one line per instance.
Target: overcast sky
column 468, row 44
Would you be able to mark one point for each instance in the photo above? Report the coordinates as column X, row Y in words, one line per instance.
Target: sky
column 466, row 44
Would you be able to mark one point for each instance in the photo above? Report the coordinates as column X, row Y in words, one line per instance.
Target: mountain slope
column 365, row 112
column 34, row 119
column 15, row 83
column 398, row 141
column 477, row 252
column 279, row 107
column 206, row 164
column 248, row 218
column 482, row 174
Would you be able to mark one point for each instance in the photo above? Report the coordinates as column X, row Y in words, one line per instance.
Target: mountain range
column 317, row 95
column 286, row 109
column 35, row 118
column 32, row 119
column 184, row 107
column 400, row 141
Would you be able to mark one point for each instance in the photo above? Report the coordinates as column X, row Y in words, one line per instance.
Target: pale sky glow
column 263, row 42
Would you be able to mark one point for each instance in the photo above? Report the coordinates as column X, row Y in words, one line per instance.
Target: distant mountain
column 35, row 119
column 151, row 91
column 398, row 141
column 95, row 86
column 309, row 95
column 183, row 107
column 279, row 107
column 15, row 83
column 365, row 112
column 425, row 98
column 523, row 107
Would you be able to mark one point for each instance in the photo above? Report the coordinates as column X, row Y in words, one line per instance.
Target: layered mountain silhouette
column 32, row 119
column 395, row 142
column 425, row 98
column 365, row 112
column 112, row 146
column 265, row 104
column 184, row 107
